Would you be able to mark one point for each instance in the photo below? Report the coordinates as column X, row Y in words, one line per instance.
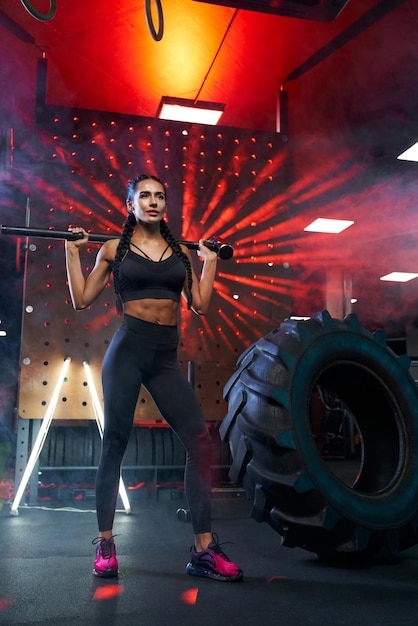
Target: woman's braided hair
column 125, row 241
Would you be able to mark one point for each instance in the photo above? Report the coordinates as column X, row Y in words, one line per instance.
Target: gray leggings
column 145, row 353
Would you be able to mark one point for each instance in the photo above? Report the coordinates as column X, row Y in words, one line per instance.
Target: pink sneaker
column 213, row 563
column 106, row 563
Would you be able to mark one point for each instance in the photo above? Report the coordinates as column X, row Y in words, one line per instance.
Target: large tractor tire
column 322, row 426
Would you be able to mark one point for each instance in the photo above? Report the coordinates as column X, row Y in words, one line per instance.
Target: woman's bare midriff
column 152, row 310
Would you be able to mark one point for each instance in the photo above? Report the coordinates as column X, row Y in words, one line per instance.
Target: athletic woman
column 150, row 272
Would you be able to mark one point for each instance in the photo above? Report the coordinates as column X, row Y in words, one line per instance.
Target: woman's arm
column 202, row 289
column 83, row 290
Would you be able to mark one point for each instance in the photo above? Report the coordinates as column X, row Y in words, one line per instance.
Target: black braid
column 174, row 245
column 121, row 251
column 125, row 240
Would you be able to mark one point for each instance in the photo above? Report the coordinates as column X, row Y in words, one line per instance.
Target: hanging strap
column 146, row 255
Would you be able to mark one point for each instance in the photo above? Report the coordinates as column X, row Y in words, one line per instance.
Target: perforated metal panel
column 230, row 185
column 52, row 330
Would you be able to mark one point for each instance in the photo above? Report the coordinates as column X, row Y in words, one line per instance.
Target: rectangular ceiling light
column 323, row 225
column 183, row 110
column 411, row 154
column 399, row 277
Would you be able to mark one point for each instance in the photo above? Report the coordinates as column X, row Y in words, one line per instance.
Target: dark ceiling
column 102, row 55
column 352, row 106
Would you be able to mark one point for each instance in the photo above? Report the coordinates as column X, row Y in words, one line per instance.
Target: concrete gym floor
column 46, row 562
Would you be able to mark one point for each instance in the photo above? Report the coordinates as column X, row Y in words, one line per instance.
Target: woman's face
column 148, row 202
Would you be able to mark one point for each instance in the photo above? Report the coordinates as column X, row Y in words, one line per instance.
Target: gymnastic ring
column 156, row 35
column 43, row 17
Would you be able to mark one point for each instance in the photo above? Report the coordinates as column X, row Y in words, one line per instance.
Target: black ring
column 157, row 36
column 43, row 17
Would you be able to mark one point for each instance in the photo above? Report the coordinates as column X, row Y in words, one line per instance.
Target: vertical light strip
column 40, row 439
column 98, row 412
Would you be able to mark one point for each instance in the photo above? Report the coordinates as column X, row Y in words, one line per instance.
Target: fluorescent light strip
column 323, row 225
column 40, row 439
column 100, row 425
column 411, row 154
column 95, row 398
column 399, row 277
column 191, row 111
column 180, row 113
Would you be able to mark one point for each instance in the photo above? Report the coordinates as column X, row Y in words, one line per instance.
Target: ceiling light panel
column 411, row 154
column 399, row 277
column 323, row 225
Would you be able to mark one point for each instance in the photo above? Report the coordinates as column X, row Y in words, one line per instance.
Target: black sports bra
column 141, row 278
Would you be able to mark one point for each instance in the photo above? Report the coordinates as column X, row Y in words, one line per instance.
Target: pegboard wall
column 223, row 182
column 52, row 330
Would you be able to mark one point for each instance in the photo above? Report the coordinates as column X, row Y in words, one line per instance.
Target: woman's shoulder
column 185, row 250
column 108, row 250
